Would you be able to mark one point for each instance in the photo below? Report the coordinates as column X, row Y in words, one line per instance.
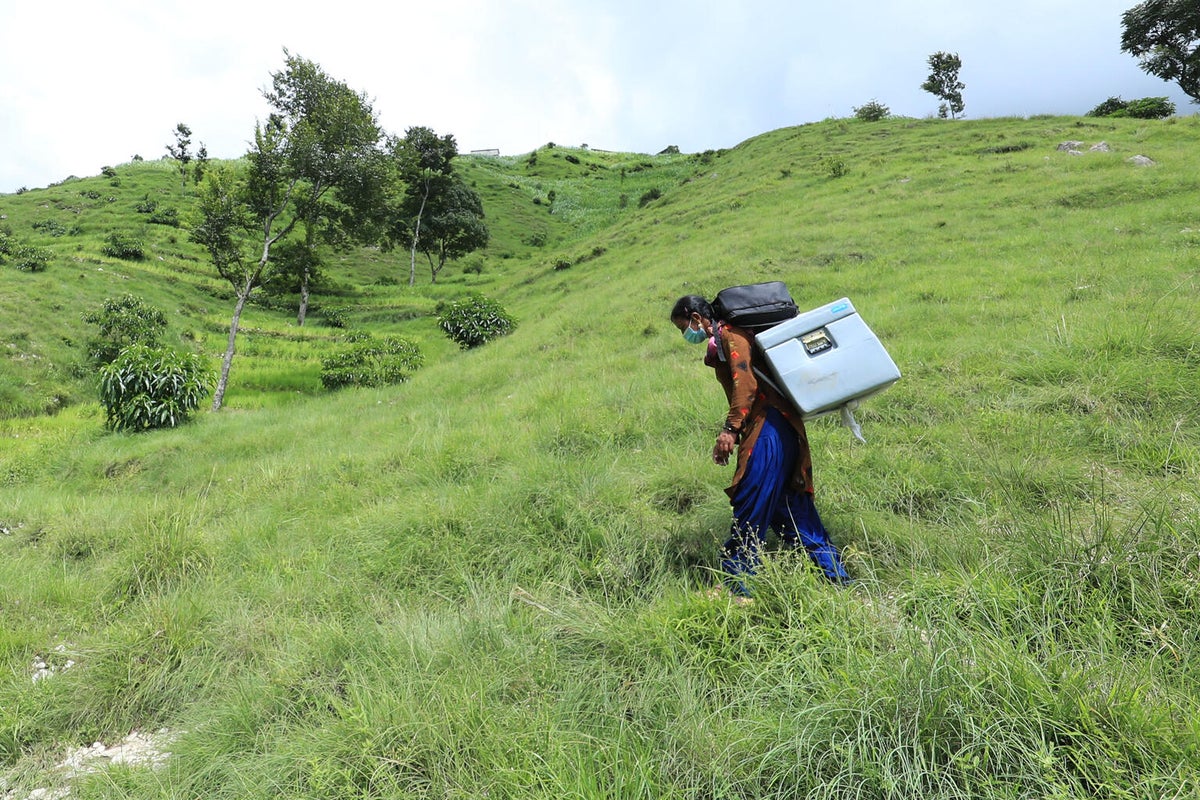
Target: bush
column 124, row 246
column 152, row 387
column 123, row 322
column 650, row 196
column 28, row 258
column 475, row 321
column 835, row 167
column 51, row 227
column 24, row 257
column 872, row 111
column 1145, row 108
column 372, row 362
column 165, row 216
column 1149, row 108
column 335, row 316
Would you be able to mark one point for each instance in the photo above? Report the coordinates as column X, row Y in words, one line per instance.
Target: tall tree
column 453, row 225
column 944, row 84
column 335, row 145
column 424, row 162
column 1164, row 35
column 179, row 151
column 321, row 139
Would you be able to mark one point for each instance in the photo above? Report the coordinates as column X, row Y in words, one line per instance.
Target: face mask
column 694, row 336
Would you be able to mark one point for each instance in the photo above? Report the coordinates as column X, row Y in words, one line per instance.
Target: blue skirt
column 763, row 500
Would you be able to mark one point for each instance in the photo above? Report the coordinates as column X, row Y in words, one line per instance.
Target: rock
column 1141, row 161
column 1100, row 147
column 1069, row 146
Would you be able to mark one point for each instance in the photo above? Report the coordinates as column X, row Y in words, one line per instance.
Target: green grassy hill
column 489, row 580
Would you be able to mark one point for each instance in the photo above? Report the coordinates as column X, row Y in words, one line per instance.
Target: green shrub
column 1149, row 108
column 152, row 387
column 28, row 258
column 372, row 362
column 124, row 246
column 649, row 196
column 24, row 257
column 1144, row 108
column 146, row 205
column 872, row 111
column 165, row 216
column 51, row 227
column 123, row 322
column 335, row 316
column 835, row 167
column 475, row 321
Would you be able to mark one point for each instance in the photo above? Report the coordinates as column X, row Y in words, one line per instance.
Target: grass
column 489, row 579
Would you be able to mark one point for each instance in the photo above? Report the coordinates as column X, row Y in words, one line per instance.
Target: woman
column 772, row 484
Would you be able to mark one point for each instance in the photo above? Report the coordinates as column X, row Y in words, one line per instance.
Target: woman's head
column 691, row 304
column 693, row 312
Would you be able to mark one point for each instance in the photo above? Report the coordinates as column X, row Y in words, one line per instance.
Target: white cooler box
column 826, row 358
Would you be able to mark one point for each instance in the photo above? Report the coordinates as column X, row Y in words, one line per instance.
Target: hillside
column 489, row 579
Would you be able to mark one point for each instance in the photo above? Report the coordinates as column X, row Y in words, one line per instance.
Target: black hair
column 691, row 304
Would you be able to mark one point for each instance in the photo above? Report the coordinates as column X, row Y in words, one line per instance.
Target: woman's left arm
column 739, row 349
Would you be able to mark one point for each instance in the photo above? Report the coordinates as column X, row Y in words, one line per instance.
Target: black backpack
column 755, row 306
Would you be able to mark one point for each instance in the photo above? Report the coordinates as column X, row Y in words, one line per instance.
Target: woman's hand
column 723, row 447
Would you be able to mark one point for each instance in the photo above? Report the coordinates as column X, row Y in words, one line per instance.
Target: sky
column 87, row 84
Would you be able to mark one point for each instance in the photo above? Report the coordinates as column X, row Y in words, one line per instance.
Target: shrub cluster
column 165, row 216
column 372, row 362
column 872, row 111
column 124, row 246
column 152, row 387
column 475, row 321
column 123, row 322
column 1144, row 108
column 25, row 257
column 649, row 196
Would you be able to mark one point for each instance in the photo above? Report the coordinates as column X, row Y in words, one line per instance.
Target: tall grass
column 490, row 580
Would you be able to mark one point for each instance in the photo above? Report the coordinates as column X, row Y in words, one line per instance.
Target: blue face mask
column 694, row 336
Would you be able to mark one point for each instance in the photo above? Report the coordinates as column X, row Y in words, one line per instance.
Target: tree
column 201, row 163
column 179, row 150
column 1164, row 35
column 944, row 84
column 321, row 139
column 335, row 146
column 424, row 162
column 453, row 225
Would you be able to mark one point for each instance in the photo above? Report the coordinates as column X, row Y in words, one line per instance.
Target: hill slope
column 488, row 579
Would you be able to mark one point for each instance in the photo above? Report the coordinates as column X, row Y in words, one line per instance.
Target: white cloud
column 88, row 84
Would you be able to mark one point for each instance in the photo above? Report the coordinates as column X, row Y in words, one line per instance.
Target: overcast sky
column 85, row 84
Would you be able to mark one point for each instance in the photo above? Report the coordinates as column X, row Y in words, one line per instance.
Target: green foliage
column 1144, row 108
column 872, row 111
column 835, row 167
column 152, row 387
column 1164, row 35
column 474, row 321
column 944, row 84
column 649, row 196
column 124, row 321
column 24, row 257
column 165, row 216
column 179, row 150
column 335, row 316
column 372, row 362
column 52, row 227
column 124, row 246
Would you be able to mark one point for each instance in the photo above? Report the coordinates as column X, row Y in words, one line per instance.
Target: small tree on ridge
column 944, row 84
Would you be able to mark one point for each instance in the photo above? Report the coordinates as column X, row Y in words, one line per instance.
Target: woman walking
column 772, row 483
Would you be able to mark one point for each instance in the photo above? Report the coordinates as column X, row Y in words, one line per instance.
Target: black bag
column 755, row 306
